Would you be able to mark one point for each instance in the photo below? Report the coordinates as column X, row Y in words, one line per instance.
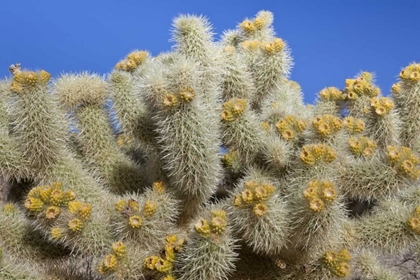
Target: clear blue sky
column 331, row 40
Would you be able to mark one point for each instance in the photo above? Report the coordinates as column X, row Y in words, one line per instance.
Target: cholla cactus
column 219, row 170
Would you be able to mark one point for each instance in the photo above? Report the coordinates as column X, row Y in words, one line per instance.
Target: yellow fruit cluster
column 233, row 109
column 360, row 87
column 229, row 50
column 338, row 262
column 248, row 26
column 254, row 195
column 139, row 57
column 231, row 159
column 110, row 262
column 52, row 212
column 124, row 140
column 414, row 222
column 396, row 89
column 260, row 22
column 174, row 241
column 331, row 94
column 27, row 80
column 319, row 193
column 290, row 127
column 327, row 125
column 411, row 73
column 362, row 146
column 132, row 61
column 366, row 77
column 80, row 212
column 165, row 262
column 216, row 226
column 80, row 209
column 57, row 233
column 317, row 153
column 266, row 126
column 75, row 225
column 9, row 208
column 404, row 161
column 149, row 208
column 119, row 249
column 34, row 204
column 53, row 195
column 159, row 187
column 120, row 205
column 170, row 100
column 251, row 45
column 185, row 95
column 272, row 47
column 130, row 205
column 381, row 105
column 130, row 209
column 135, row 221
column 354, row 125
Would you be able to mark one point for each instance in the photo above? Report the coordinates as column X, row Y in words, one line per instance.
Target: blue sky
column 331, row 40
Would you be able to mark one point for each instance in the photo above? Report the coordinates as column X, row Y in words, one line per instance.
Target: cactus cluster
column 219, row 170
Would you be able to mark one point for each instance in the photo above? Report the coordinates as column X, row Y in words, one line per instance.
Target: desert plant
column 219, row 171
